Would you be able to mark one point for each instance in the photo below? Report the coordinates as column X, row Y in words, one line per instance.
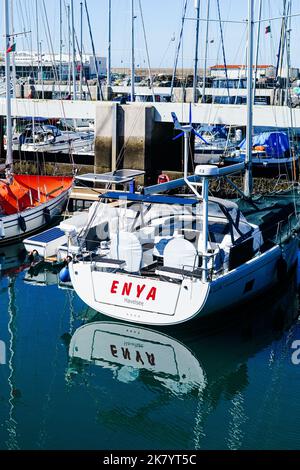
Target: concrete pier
column 127, row 136
column 139, row 135
column 123, row 136
column 105, row 123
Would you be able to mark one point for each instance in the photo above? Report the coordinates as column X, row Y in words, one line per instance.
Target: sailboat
column 43, row 137
column 27, row 202
column 157, row 259
column 272, row 153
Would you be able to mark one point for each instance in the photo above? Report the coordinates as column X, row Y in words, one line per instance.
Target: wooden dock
column 81, row 198
column 86, row 194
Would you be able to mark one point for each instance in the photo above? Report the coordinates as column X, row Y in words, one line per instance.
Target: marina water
column 71, row 379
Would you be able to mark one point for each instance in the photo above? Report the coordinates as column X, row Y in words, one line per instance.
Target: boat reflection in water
column 12, row 259
column 131, row 351
column 202, row 363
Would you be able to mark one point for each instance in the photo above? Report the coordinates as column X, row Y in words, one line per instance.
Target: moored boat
column 272, row 154
column 161, row 260
column 27, row 202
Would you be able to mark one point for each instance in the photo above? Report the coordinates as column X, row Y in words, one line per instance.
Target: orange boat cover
column 28, row 191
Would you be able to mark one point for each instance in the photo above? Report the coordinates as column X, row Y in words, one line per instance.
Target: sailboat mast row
column 248, row 159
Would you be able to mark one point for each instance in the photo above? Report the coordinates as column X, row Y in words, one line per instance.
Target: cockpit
column 159, row 236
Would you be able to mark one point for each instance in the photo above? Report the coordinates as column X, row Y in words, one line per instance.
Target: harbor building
column 52, row 66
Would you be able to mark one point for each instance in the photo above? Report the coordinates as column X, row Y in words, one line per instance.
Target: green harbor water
column 71, row 379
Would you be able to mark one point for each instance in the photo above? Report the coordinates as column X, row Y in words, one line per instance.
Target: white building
column 49, row 66
column 240, row 71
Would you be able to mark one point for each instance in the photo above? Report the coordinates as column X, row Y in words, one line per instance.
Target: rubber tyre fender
column 47, row 215
column 22, row 223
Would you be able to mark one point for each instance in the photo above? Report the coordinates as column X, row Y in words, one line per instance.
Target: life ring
column 22, row 223
column 282, row 269
column 47, row 215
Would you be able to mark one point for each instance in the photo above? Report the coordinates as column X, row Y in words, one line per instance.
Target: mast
column 60, row 40
column 41, row 68
column 132, row 51
column 178, row 48
column 37, row 38
column 14, row 79
column 81, row 48
column 73, row 51
column 109, row 46
column 197, row 6
column 69, row 50
column 288, row 43
column 93, row 49
column 9, row 155
column 223, row 50
column 147, row 52
column 257, row 47
column 248, row 184
column 39, row 50
column 205, row 54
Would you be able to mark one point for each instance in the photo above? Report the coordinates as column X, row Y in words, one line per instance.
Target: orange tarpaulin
column 27, row 191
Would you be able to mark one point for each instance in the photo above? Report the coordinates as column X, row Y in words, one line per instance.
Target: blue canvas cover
column 276, row 143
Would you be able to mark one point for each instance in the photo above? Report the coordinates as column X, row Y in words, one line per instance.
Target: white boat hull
column 152, row 301
column 34, row 218
column 63, row 146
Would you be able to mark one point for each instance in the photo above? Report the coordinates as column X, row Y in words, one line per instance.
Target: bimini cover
column 276, row 143
column 125, row 246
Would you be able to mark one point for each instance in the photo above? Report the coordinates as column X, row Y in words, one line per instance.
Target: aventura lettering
column 127, row 289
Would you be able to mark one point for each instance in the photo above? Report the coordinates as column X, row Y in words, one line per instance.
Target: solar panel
column 48, row 235
column 113, row 177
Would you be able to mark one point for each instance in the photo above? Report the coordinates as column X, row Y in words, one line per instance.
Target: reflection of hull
column 43, row 273
column 12, row 258
column 43, row 278
column 219, row 344
column 162, row 406
column 125, row 349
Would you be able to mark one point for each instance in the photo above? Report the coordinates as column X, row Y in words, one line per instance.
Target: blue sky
column 162, row 22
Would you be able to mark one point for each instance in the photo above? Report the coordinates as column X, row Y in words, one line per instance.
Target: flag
column 11, row 48
column 268, row 29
